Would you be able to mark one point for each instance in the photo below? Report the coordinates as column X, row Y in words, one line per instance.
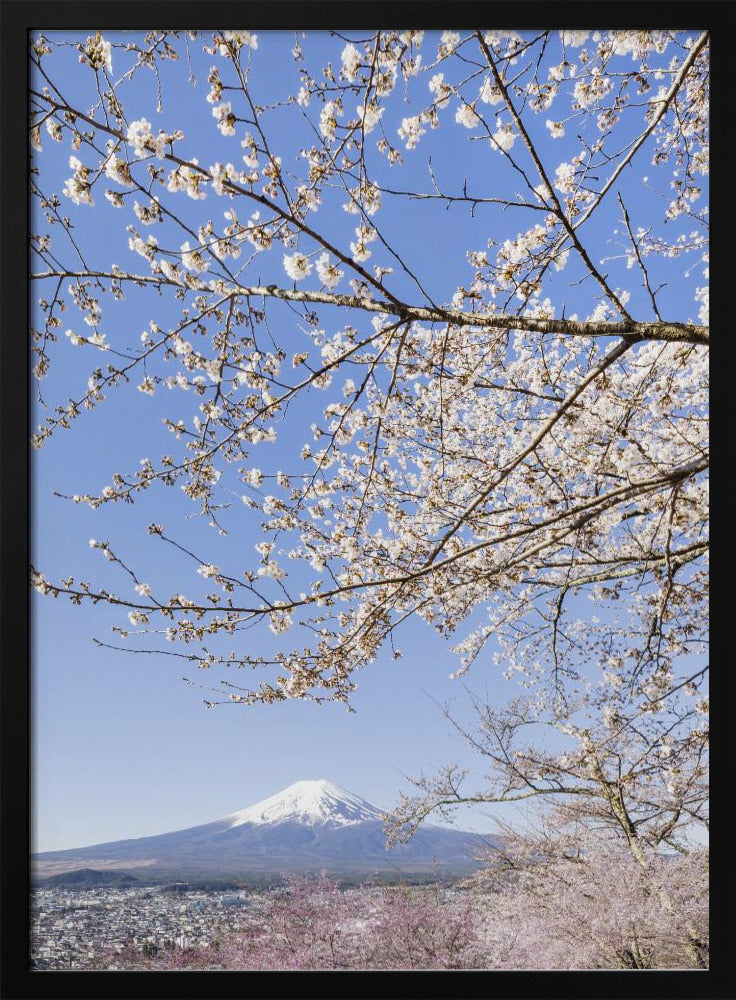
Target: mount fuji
column 309, row 826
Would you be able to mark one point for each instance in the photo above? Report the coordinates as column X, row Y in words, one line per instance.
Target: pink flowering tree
column 545, row 902
column 621, row 776
column 564, row 897
column 311, row 923
column 305, row 926
column 426, row 928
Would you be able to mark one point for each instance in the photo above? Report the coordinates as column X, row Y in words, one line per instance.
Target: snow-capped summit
column 310, row 803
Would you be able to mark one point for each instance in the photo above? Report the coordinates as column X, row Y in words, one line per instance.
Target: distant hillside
column 88, row 878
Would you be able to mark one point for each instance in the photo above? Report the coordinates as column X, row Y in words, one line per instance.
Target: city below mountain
column 307, row 827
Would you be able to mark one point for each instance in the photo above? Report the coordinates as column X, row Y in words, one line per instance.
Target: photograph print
column 369, row 507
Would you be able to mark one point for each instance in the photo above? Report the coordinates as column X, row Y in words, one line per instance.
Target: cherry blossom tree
column 311, row 923
column 542, row 905
column 561, row 897
column 625, row 796
column 523, row 455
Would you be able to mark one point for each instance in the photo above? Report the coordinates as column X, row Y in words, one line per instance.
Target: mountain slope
column 309, row 826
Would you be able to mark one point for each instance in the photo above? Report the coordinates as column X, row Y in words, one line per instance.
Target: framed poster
column 367, row 515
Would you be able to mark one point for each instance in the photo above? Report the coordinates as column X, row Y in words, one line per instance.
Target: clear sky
column 122, row 746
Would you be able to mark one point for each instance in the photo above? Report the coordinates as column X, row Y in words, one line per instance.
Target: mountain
column 309, row 826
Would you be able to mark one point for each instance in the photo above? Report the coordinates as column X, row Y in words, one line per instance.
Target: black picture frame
column 16, row 20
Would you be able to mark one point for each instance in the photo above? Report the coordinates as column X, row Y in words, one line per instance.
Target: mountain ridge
column 309, row 826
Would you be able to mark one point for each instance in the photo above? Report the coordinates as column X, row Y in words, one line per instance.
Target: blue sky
column 122, row 746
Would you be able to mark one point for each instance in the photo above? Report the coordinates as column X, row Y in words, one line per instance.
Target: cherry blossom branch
column 664, row 105
column 634, row 331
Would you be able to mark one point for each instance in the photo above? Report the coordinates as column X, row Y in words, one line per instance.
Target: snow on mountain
column 311, row 803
